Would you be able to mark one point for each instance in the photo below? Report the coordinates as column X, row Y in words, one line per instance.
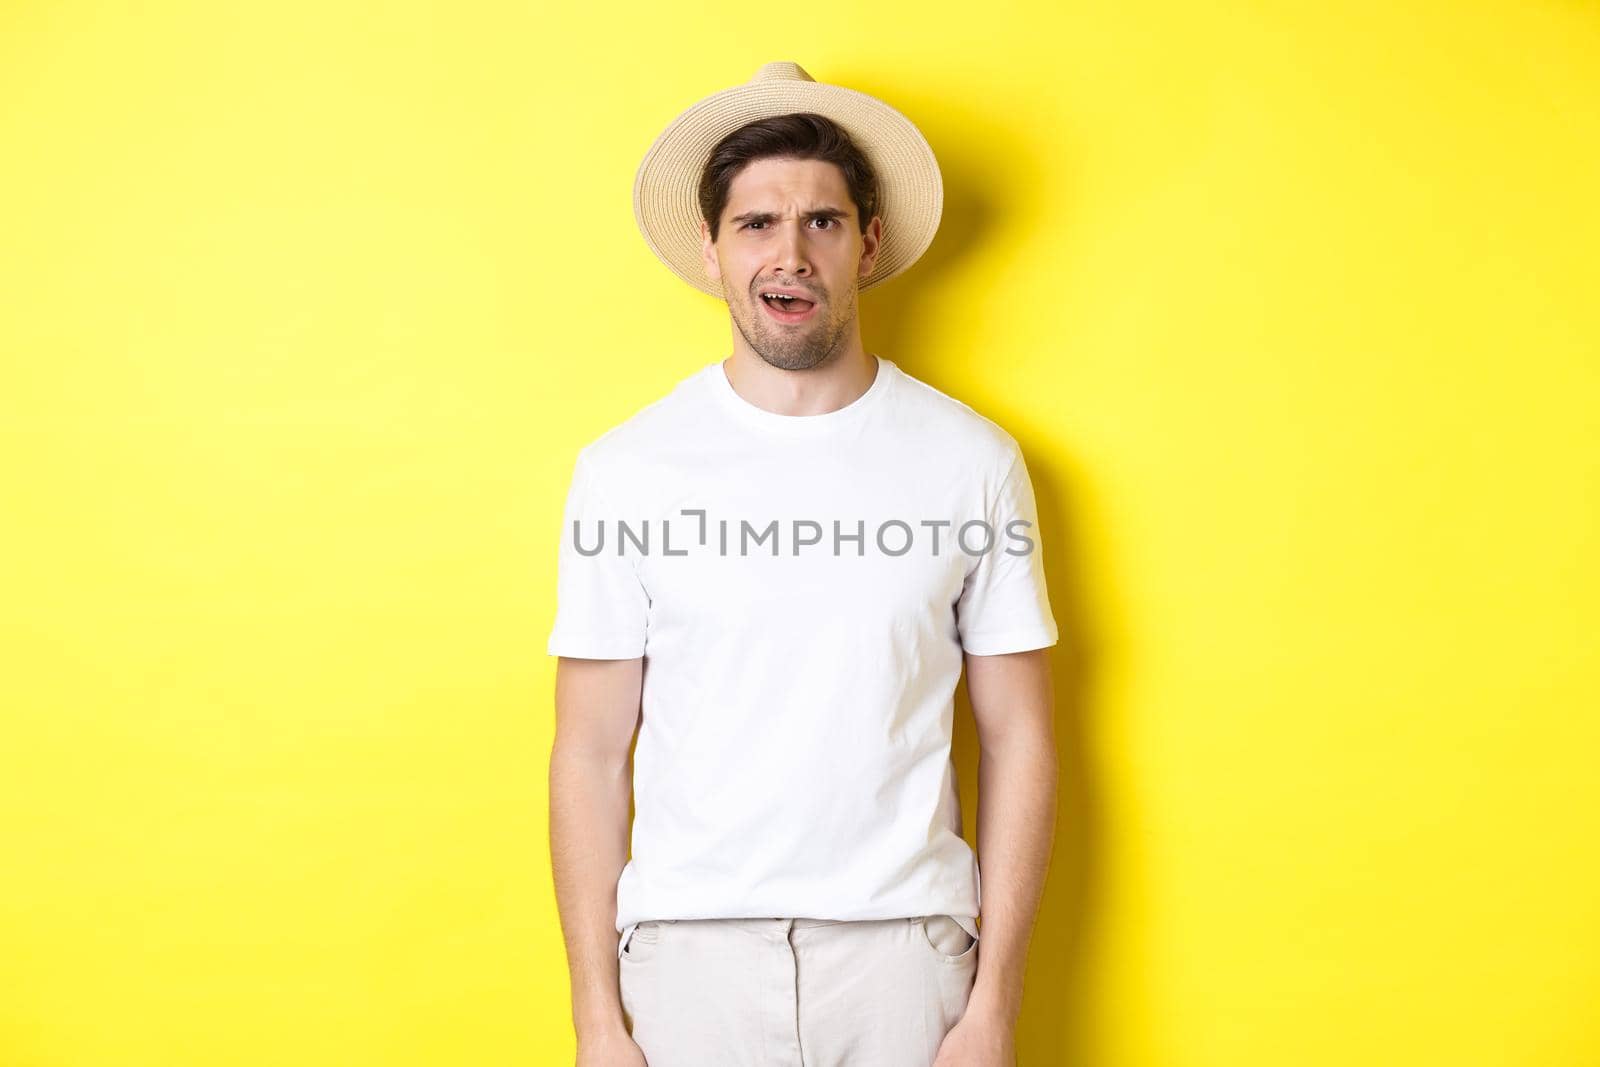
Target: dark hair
column 798, row 135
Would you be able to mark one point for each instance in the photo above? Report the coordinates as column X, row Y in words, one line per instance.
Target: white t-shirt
column 793, row 756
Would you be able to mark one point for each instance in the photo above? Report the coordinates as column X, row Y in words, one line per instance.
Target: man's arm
column 597, row 710
column 1013, row 702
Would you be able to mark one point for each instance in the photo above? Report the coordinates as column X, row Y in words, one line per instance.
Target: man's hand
column 980, row 1039
column 611, row 1048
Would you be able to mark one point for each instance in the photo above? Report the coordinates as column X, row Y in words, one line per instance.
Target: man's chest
column 842, row 549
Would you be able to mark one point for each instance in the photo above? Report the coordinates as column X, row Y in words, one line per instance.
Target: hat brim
column 910, row 187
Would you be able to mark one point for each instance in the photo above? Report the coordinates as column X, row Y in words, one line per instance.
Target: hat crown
column 782, row 71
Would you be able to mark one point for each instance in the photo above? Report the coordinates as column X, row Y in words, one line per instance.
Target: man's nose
column 793, row 253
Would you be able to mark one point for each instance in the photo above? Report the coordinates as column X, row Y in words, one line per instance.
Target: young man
column 797, row 548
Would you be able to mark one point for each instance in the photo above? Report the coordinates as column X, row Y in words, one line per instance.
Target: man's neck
column 829, row 386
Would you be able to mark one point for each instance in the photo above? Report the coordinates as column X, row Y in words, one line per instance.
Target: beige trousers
column 795, row 992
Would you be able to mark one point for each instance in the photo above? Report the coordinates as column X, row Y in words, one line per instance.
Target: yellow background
column 305, row 309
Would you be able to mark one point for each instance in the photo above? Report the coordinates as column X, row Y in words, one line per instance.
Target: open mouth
column 788, row 309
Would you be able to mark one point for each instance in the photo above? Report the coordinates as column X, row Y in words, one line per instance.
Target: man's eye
column 826, row 222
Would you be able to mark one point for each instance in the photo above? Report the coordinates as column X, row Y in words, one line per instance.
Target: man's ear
column 708, row 252
column 871, row 242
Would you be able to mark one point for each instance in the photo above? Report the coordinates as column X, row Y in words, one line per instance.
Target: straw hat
column 910, row 189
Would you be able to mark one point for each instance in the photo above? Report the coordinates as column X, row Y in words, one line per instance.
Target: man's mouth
column 788, row 309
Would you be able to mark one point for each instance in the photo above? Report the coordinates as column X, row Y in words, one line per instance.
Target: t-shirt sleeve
column 1004, row 606
column 601, row 605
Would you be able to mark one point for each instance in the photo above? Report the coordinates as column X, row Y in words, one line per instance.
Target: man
column 775, row 572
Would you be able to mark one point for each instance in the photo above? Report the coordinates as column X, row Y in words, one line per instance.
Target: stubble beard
column 795, row 349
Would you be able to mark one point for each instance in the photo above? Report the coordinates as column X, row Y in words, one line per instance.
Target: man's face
column 790, row 224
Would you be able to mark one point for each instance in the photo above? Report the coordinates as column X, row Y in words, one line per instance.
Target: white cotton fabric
column 793, row 756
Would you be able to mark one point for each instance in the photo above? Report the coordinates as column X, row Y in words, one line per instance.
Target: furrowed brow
column 769, row 216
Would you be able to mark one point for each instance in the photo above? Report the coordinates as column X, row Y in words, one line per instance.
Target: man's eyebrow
column 770, row 216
